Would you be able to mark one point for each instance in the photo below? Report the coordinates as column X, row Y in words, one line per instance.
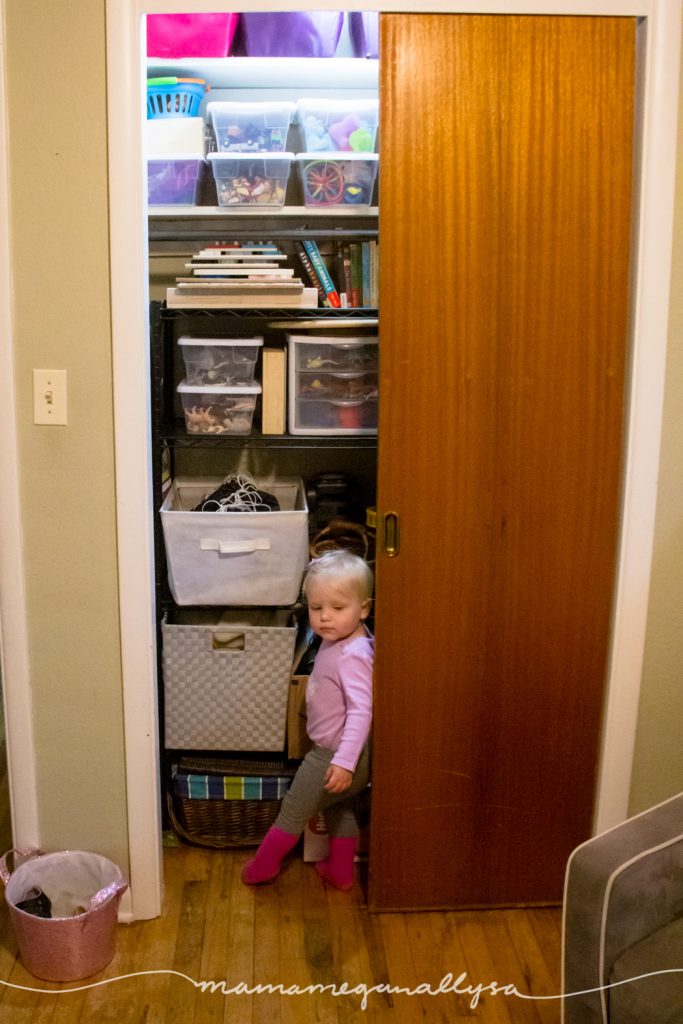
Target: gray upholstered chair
column 623, row 918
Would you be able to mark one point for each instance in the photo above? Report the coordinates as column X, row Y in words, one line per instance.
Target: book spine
column 316, row 259
column 310, row 273
column 355, row 274
column 347, row 275
column 374, row 275
column 339, row 269
column 365, row 272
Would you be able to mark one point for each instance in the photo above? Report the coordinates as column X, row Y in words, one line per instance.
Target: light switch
column 49, row 396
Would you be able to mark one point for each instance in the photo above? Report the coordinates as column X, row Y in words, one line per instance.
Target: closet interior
column 262, row 156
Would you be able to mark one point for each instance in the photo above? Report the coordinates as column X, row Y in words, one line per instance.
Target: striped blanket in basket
column 230, row 787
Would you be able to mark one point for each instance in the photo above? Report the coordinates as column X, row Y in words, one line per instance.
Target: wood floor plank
column 481, row 968
column 430, row 966
column 155, row 942
column 346, row 942
column 447, row 942
column 294, row 967
column 546, row 925
column 402, row 972
column 374, row 961
column 210, row 1006
column 188, row 950
column 318, row 944
column 20, row 1005
column 123, row 1001
column 239, row 950
column 532, row 958
column 508, row 967
column 266, row 1005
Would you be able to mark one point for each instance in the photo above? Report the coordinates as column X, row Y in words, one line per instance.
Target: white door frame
column 660, row 41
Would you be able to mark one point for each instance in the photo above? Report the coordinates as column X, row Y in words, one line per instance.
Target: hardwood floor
column 297, row 932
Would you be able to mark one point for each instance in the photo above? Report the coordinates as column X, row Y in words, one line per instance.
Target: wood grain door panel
column 505, row 212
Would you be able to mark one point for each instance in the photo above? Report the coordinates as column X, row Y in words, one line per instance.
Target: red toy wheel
column 324, row 182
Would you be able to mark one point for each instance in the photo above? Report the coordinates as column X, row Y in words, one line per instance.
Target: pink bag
column 190, row 35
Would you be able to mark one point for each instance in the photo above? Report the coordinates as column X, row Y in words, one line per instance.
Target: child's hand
column 337, row 779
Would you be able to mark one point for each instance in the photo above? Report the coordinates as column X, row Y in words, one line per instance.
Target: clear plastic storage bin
column 216, row 410
column 250, row 127
column 220, row 362
column 332, row 385
column 243, row 179
column 175, row 180
column 337, row 179
column 346, row 125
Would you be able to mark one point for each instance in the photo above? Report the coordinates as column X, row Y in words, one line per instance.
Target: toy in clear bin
column 342, row 125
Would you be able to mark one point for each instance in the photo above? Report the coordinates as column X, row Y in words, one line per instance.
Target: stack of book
column 345, row 274
column 239, row 275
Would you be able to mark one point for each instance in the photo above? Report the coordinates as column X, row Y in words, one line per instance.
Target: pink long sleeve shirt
column 339, row 698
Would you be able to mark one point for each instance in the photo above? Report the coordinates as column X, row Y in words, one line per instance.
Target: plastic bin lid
column 253, row 155
column 200, row 389
column 254, row 106
column 336, row 342
column 368, row 104
column 158, row 157
column 221, row 341
column 336, row 154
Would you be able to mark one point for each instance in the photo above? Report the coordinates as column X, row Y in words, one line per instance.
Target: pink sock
column 265, row 866
column 338, row 868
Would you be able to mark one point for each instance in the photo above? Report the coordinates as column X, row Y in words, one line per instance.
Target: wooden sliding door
column 505, row 213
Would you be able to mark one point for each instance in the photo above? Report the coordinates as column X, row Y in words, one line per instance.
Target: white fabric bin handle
column 235, row 547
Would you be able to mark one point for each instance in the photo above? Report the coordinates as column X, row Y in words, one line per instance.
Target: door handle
column 391, row 534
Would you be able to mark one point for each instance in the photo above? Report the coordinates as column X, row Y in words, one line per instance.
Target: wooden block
column 298, row 743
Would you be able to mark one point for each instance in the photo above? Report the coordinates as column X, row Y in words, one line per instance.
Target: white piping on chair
column 610, row 883
column 605, row 905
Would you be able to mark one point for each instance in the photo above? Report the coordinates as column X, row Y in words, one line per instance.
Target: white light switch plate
column 49, row 396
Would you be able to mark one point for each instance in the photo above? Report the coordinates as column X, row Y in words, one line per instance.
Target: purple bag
column 306, row 34
column 364, row 33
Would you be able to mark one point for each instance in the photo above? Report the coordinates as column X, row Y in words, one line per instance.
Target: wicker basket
column 221, row 824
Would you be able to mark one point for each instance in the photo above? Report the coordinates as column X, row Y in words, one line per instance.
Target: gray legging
column 307, row 796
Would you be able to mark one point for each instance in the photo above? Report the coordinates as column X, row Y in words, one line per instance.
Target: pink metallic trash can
column 84, row 890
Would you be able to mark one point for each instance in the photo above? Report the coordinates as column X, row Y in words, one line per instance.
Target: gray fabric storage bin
column 235, row 558
column 226, row 678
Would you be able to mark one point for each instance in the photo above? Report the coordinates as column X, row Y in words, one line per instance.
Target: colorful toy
column 340, row 131
column 233, row 191
column 339, row 127
column 324, row 182
column 361, row 141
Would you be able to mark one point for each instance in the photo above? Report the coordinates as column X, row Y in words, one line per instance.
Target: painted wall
column 658, row 760
column 59, row 217
column 59, row 224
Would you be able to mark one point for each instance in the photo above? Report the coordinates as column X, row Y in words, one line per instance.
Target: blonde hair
column 341, row 564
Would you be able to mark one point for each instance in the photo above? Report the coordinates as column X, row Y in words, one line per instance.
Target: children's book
column 313, row 253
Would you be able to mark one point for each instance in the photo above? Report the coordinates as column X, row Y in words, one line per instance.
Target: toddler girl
column 338, row 589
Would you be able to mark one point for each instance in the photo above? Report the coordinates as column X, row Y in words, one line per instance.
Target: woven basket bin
column 221, row 824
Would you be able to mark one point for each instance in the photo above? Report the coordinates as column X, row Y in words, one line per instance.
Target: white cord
column 246, row 498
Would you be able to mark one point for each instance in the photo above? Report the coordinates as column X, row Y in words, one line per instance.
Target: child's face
column 335, row 610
